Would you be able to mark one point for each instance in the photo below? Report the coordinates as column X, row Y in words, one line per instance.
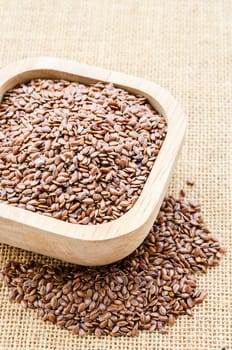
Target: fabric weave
column 184, row 46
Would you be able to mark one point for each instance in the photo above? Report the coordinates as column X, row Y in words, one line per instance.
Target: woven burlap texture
column 184, row 46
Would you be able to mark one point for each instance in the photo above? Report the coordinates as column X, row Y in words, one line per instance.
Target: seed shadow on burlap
column 184, row 47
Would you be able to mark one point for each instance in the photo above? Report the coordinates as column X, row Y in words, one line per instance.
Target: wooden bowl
column 108, row 242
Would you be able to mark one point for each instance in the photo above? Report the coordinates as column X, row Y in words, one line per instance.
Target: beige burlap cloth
column 184, row 46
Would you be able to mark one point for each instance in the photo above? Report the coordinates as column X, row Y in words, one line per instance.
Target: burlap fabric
column 184, row 46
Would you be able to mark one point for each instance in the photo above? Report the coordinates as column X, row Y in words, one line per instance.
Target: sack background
column 185, row 46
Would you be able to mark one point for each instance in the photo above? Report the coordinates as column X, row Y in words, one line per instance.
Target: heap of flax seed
column 77, row 153
column 147, row 290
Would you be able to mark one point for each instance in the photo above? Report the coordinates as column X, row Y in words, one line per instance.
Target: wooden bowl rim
column 160, row 98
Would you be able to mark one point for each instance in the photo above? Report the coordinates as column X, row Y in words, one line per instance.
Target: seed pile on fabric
column 147, row 290
column 78, row 153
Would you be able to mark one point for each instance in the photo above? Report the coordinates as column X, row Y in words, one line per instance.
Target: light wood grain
column 103, row 243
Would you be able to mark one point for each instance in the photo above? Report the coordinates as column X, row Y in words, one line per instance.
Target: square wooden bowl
column 108, row 242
